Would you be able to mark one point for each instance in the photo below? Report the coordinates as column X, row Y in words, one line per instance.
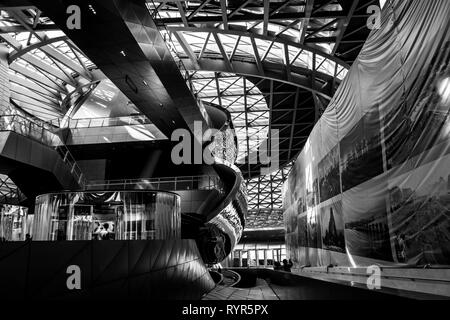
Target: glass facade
column 112, row 215
column 14, row 223
column 257, row 254
column 92, row 104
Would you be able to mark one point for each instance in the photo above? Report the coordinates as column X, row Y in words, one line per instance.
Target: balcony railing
column 42, row 133
column 29, row 128
column 166, row 183
column 103, row 122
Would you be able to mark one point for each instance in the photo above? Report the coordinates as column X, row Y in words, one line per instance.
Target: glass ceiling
column 237, row 46
column 9, row 193
column 266, row 192
column 248, row 107
column 44, row 66
column 197, row 40
column 106, row 101
column 290, row 29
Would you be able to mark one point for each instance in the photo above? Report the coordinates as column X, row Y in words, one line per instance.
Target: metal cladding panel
column 155, row 270
column 23, row 152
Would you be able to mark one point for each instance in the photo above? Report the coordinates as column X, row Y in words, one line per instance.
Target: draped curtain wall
column 372, row 184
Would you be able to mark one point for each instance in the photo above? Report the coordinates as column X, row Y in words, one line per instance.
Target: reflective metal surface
column 113, row 270
column 42, row 133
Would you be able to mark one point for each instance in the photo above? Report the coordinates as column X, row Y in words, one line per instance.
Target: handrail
column 236, row 277
column 41, row 133
column 106, row 121
column 202, row 182
column 29, row 128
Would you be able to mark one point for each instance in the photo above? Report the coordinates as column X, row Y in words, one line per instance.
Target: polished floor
column 262, row 291
column 276, row 285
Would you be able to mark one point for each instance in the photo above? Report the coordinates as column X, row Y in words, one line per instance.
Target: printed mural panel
column 366, row 223
column 372, row 184
column 420, row 213
column 332, row 224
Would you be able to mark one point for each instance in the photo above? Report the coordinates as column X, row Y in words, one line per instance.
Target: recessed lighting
column 92, row 9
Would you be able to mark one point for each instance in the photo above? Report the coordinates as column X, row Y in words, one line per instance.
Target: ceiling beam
column 297, row 94
column 266, row 16
column 305, row 22
column 200, row 7
column 344, row 25
column 254, row 17
column 182, row 14
column 223, row 7
column 239, row 8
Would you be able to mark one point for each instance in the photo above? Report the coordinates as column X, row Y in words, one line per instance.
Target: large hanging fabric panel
column 372, row 184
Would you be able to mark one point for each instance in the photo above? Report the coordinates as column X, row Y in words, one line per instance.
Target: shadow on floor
column 266, row 284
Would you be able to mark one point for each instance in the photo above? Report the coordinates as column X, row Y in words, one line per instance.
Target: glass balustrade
column 164, row 183
column 42, row 133
column 107, row 215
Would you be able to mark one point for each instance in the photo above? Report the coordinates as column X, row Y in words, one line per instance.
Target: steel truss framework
column 296, row 88
column 291, row 53
column 295, row 52
column 44, row 66
column 257, row 105
column 337, row 27
column 266, row 192
column 9, row 192
column 242, row 98
column 253, row 55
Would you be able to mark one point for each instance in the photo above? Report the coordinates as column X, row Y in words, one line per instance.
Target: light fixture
column 123, row 53
column 92, row 9
column 444, row 90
